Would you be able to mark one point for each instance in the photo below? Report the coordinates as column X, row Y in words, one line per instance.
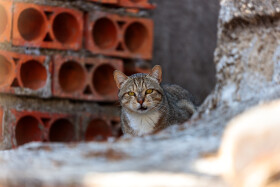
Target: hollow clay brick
column 28, row 126
column 31, row 126
column 24, row 74
column 5, row 20
column 120, row 36
column 50, row 27
column 99, row 127
column 85, row 78
column 142, row 4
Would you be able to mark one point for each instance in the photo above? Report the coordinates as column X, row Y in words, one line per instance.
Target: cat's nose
column 140, row 101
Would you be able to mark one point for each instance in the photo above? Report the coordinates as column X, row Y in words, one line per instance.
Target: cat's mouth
column 142, row 108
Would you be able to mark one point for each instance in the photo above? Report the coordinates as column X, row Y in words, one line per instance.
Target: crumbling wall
column 247, row 57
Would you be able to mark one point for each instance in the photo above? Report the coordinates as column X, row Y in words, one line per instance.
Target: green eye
column 131, row 93
column 149, row 91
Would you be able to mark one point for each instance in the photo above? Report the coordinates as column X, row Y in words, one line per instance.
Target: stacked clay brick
column 63, row 53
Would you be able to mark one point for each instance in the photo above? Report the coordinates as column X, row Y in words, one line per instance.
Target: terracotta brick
column 105, row 1
column 85, row 78
column 51, row 27
column 24, row 74
column 132, row 10
column 31, row 126
column 142, row 4
column 62, row 129
column 27, row 126
column 99, row 127
column 120, row 36
column 5, row 20
column 135, row 4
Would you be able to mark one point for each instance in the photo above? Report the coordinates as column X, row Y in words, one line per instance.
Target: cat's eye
column 131, row 93
column 149, row 91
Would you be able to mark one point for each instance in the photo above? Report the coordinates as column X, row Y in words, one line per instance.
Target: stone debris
column 250, row 150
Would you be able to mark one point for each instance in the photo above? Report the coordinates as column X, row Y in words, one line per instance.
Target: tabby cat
column 147, row 106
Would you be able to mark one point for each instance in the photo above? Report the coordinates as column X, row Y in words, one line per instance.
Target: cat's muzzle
column 142, row 108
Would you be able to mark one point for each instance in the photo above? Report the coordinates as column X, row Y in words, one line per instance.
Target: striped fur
column 144, row 113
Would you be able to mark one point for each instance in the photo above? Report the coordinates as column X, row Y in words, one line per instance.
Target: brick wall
column 57, row 60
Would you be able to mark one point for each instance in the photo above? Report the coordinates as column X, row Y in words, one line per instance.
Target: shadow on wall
column 185, row 40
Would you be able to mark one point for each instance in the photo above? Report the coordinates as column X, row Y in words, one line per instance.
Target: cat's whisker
column 151, row 120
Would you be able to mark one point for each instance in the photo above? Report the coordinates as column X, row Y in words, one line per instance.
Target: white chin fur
column 143, row 123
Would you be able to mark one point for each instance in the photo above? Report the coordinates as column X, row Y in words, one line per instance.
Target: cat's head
column 140, row 92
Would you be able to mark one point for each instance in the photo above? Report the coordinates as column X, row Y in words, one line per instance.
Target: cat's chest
column 143, row 123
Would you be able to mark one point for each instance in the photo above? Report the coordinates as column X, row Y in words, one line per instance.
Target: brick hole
column 103, row 80
column 28, row 130
column 62, row 130
column 16, row 60
column 104, row 33
column 98, row 130
column 3, row 19
column 66, row 28
column 48, row 38
column 31, row 24
column 135, row 36
column 33, row 75
column 48, row 14
column 46, row 120
column 71, row 77
column 121, row 23
column 6, row 71
column 89, row 67
column 15, row 83
column 120, row 47
column 87, row 91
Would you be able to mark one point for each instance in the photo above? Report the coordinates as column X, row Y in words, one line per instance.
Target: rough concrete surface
column 185, row 40
column 251, row 157
column 247, row 64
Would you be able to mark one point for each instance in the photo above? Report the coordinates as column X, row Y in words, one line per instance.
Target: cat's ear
column 119, row 78
column 157, row 73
